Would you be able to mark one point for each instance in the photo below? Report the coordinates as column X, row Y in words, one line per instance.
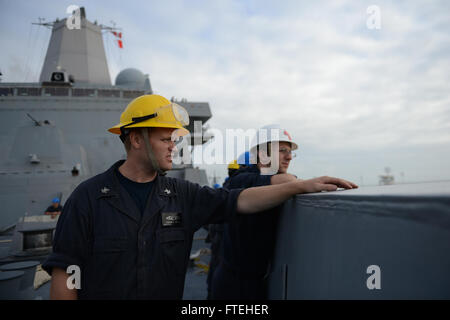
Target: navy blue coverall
column 124, row 254
column 247, row 246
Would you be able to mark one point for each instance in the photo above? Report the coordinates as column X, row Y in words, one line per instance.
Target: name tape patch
column 170, row 219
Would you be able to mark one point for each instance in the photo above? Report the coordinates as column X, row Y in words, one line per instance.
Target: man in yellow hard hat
column 128, row 231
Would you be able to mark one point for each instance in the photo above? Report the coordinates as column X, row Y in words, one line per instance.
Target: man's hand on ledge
column 324, row 183
column 257, row 199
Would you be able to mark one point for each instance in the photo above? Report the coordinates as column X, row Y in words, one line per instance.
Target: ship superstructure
column 53, row 132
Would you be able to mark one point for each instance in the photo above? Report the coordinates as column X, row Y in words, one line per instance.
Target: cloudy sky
column 356, row 99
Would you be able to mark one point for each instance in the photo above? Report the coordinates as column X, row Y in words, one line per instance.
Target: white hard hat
column 271, row 133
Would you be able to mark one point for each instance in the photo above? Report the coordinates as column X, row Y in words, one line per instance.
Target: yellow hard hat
column 152, row 110
column 233, row 165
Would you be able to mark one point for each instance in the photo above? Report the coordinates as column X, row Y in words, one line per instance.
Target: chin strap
column 150, row 153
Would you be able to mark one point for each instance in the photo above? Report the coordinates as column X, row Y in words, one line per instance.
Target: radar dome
column 131, row 78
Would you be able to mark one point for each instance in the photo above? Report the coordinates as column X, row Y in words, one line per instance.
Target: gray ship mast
column 79, row 51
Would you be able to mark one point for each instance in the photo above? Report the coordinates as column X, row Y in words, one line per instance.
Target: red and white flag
column 117, row 34
column 119, row 40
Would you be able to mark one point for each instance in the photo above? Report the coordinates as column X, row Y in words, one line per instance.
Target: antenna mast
column 45, row 24
column 108, row 28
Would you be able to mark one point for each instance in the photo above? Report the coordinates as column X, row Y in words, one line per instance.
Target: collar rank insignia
column 104, row 190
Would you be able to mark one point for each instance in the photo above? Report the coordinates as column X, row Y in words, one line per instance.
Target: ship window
column 6, row 92
column 132, row 94
column 37, row 239
column 57, row 92
column 28, row 91
column 83, row 92
column 109, row 93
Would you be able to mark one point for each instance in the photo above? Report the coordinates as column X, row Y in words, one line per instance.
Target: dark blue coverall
column 247, row 246
column 215, row 232
column 124, row 254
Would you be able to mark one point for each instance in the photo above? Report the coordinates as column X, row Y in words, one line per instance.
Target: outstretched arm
column 257, row 199
column 282, row 178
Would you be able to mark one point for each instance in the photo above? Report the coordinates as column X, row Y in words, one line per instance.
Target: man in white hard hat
column 248, row 241
column 129, row 230
column 270, row 137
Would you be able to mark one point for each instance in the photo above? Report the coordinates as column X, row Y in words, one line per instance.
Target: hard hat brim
column 116, row 129
column 294, row 146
